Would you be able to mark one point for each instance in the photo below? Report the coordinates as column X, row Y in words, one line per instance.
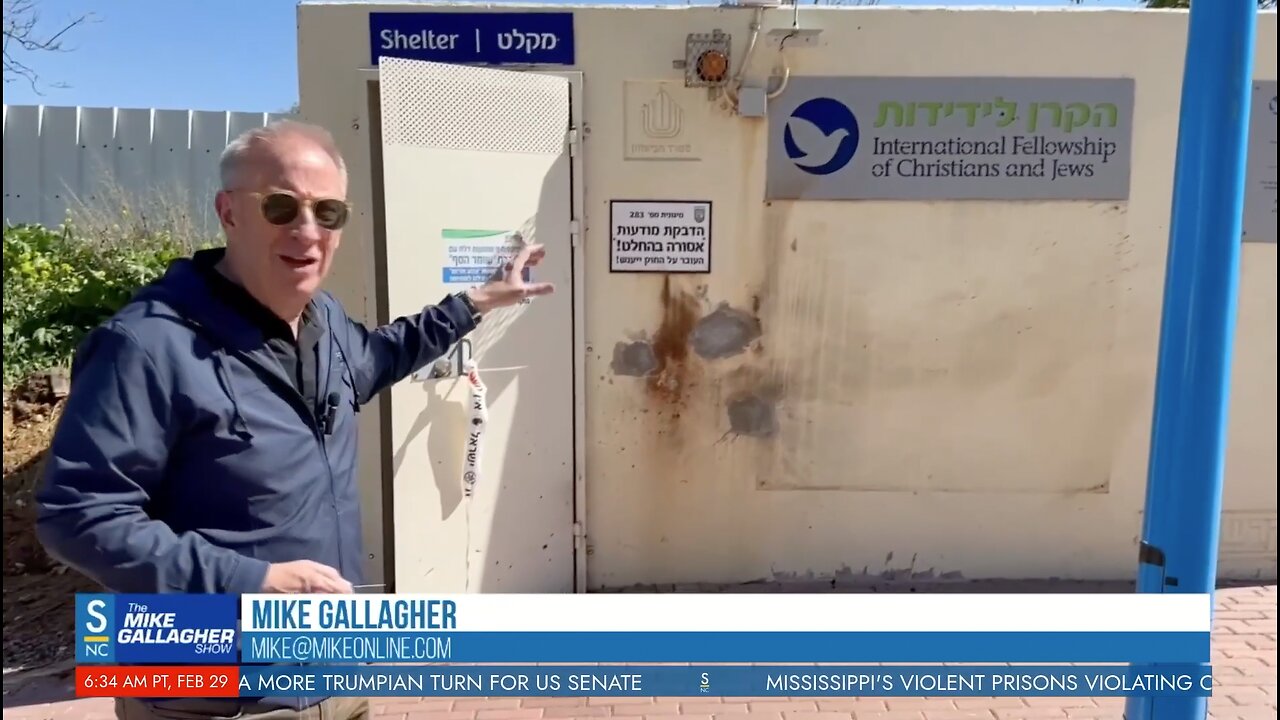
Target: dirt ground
column 39, row 594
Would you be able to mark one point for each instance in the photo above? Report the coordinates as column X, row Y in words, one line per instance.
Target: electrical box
column 752, row 102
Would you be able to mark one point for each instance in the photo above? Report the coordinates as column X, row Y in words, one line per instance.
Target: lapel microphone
column 331, row 412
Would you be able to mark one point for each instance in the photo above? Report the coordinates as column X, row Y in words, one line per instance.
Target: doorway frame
column 369, row 86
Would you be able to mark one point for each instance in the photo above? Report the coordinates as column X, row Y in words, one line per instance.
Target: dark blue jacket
column 185, row 461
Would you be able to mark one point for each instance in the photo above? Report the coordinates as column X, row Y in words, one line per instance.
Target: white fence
column 56, row 158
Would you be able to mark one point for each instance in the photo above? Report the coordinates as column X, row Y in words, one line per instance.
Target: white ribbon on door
column 477, row 420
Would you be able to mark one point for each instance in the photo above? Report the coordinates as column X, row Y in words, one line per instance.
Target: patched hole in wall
column 634, row 359
column 753, row 415
column 724, row 333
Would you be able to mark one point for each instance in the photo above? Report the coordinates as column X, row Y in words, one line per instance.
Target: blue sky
column 172, row 54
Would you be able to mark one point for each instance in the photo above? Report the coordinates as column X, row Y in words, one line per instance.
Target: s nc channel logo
column 95, row 615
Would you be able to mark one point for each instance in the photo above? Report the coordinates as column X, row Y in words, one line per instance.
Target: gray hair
column 237, row 151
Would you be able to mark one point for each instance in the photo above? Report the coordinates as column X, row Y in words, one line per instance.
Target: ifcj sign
column 851, row 138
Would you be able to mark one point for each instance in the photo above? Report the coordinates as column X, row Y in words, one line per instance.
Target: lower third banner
column 647, row 681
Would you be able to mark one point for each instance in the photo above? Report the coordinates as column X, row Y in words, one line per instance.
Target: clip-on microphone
column 331, row 412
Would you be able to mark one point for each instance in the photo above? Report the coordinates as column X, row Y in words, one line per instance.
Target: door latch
column 453, row 364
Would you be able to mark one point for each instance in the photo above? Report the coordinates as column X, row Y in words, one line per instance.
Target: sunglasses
column 282, row 207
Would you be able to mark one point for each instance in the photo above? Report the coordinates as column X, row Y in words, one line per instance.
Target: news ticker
column 622, row 628
column 642, row 681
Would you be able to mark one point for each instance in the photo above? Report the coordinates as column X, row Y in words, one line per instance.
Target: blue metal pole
column 1179, row 552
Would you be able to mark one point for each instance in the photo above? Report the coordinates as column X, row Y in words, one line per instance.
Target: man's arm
column 387, row 354
column 106, row 461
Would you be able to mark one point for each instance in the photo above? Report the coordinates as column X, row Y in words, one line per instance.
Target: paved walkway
column 1244, row 659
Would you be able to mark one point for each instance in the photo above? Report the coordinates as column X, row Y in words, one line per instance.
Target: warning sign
column 665, row 236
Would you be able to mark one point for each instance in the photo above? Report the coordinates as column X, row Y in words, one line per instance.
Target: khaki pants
column 338, row 708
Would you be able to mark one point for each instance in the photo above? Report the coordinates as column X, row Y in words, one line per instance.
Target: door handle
column 454, row 363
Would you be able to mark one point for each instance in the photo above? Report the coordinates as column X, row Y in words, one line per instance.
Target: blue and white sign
column 730, row 682
column 821, row 136
column 497, row 38
column 170, row 628
column 1137, row 628
column 950, row 138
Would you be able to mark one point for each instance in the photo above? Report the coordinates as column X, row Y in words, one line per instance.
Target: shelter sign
column 885, row 138
column 481, row 38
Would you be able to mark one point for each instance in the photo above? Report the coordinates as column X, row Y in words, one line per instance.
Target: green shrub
column 58, row 286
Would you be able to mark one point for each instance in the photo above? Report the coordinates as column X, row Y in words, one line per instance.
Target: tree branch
column 21, row 35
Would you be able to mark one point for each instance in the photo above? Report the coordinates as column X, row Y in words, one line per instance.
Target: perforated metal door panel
column 471, row 155
column 452, row 107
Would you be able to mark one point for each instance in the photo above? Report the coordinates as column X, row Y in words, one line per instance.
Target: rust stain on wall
column 669, row 382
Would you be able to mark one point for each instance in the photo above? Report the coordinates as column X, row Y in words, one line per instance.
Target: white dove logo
column 818, row 147
column 821, row 136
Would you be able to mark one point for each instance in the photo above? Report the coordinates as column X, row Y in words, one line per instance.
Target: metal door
column 475, row 161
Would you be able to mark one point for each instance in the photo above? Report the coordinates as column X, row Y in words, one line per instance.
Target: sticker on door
column 471, row 257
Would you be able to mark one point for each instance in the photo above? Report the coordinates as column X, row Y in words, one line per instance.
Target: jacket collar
column 228, row 313
column 186, row 287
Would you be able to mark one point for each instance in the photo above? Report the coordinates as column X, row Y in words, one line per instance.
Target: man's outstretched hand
column 304, row 576
column 507, row 287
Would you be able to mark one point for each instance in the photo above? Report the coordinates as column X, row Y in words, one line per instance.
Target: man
column 208, row 444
